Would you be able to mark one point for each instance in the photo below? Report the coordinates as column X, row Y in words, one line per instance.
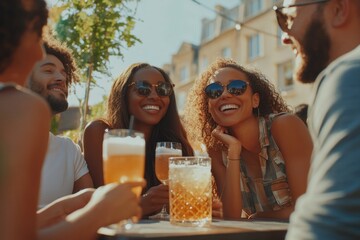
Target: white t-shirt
column 63, row 165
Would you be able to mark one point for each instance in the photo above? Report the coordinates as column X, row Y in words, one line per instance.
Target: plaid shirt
column 271, row 192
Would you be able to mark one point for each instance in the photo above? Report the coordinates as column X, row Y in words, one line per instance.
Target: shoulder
column 286, row 124
column 65, row 142
column 20, row 105
column 94, row 131
column 96, row 126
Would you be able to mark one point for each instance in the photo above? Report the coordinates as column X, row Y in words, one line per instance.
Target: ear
column 255, row 100
column 339, row 12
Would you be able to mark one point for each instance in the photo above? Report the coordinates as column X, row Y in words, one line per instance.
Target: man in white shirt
column 64, row 171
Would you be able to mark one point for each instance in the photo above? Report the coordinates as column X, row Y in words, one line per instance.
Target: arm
column 295, row 144
column 82, row 177
column 108, row 204
column 83, row 182
column 60, row 208
column 93, row 138
column 228, row 178
column 24, row 132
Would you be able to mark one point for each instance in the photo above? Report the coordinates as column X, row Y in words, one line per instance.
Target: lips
column 227, row 107
column 59, row 89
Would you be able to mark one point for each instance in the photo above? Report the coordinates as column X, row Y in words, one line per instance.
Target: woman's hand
column 154, row 199
column 233, row 144
column 217, row 211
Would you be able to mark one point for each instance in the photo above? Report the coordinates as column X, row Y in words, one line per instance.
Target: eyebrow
column 48, row 64
column 51, row 64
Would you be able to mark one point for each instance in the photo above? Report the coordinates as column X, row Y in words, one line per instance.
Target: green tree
column 94, row 30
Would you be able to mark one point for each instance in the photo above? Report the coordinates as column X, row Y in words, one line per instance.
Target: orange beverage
column 123, row 158
column 190, row 191
column 162, row 162
column 124, row 168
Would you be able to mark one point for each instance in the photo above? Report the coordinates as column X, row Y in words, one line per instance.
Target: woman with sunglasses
column 146, row 92
column 260, row 154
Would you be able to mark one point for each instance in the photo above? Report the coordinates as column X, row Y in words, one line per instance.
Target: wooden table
column 218, row 230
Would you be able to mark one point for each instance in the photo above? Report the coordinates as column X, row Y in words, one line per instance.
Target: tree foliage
column 96, row 30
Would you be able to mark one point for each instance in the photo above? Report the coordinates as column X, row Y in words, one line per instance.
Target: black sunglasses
column 235, row 87
column 285, row 23
column 163, row 89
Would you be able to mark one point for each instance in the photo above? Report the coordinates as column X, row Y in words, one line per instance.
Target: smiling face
column 48, row 79
column 309, row 40
column 228, row 110
column 147, row 110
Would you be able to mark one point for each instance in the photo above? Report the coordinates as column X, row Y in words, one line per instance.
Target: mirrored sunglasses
column 235, row 87
column 163, row 89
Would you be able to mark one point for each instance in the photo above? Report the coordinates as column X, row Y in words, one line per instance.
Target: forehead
column 227, row 74
column 51, row 60
column 28, row 5
column 149, row 74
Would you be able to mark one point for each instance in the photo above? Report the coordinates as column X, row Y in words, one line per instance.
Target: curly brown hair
column 14, row 20
column 197, row 118
column 169, row 128
column 63, row 53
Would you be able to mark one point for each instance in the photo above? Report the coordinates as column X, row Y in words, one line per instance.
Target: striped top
column 271, row 192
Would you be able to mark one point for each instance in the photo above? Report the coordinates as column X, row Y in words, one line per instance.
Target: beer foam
column 168, row 151
column 121, row 146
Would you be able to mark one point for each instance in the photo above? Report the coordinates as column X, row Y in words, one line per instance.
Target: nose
column 153, row 93
column 225, row 93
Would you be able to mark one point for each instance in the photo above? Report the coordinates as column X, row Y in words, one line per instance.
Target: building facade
column 247, row 33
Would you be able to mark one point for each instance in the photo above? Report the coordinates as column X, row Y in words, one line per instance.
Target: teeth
column 58, row 90
column 151, row 107
column 228, row 106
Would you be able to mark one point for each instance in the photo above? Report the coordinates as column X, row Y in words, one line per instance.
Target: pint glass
column 124, row 159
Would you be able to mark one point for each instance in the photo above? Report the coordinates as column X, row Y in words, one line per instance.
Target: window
column 184, row 74
column 203, row 64
column 254, row 47
column 209, row 30
column 226, row 52
column 232, row 15
column 253, row 7
column 285, row 73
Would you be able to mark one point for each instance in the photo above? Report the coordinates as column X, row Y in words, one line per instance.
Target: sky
column 162, row 26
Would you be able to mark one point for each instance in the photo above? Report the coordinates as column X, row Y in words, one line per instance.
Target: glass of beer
column 163, row 151
column 124, row 160
column 190, row 191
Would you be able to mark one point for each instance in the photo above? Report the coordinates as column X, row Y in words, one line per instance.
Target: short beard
column 56, row 105
column 314, row 52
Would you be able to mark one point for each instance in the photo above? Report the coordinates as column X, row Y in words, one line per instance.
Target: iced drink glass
column 190, row 191
column 124, row 159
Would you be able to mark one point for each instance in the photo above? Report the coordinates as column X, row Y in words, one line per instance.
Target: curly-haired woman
column 260, row 153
